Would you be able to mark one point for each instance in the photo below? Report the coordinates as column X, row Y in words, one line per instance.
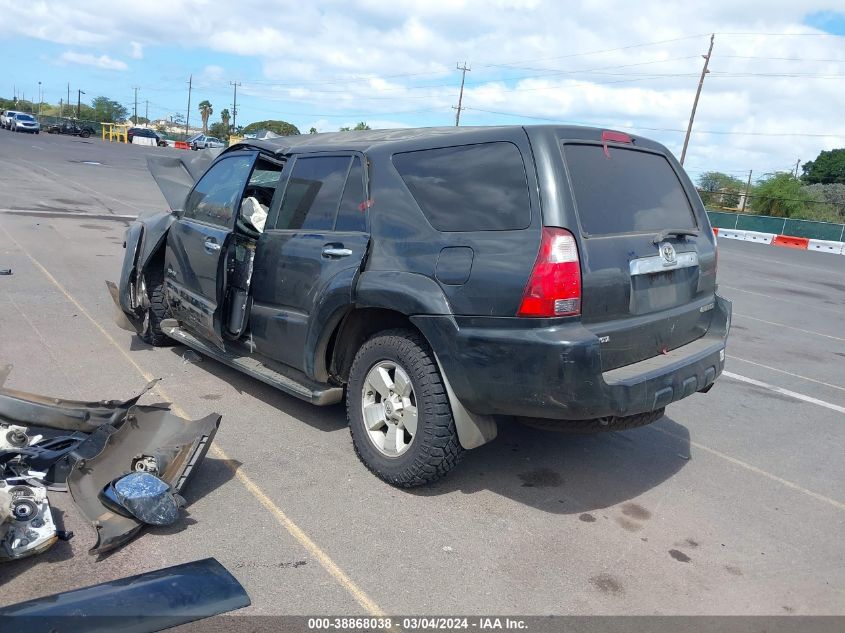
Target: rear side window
column 352, row 213
column 631, row 191
column 469, row 188
column 313, row 193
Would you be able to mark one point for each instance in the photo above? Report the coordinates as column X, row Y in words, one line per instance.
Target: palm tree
column 205, row 112
column 224, row 117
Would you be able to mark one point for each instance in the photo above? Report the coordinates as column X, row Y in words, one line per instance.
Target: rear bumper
column 553, row 370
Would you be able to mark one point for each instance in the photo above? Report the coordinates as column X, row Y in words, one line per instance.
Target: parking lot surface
column 734, row 503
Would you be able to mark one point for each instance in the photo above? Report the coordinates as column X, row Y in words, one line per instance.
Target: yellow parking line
column 254, row 489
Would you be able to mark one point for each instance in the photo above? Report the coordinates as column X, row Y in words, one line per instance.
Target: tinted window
column 218, row 192
column 313, row 193
column 352, row 215
column 469, row 188
column 630, row 191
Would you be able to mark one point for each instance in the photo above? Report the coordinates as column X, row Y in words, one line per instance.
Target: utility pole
column 40, row 99
column 68, row 99
column 188, row 115
column 797, row 162
column 747, row 190
column 79, row 94
column 61, row 108
column 235, row 106
column 704, row 71
column 463, row 70
column 135, row 88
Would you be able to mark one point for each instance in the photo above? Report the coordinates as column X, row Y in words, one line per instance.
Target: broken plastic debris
column 190, row 356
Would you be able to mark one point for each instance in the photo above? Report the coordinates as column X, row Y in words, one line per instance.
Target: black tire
column 435, row 449
column 85, row 134
column 595, row 425
column 158, row 310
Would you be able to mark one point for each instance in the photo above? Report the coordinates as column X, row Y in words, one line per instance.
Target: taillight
column 554, row 288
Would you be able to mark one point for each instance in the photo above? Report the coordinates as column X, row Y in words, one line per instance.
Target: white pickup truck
column 6, row 117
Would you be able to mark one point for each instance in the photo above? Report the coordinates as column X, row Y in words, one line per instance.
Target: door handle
column 211, row 245
column 335, row 251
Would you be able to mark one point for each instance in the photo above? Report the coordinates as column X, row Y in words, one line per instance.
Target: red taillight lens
column 554, row 288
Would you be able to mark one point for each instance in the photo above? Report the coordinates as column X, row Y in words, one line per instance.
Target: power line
column 651, row 129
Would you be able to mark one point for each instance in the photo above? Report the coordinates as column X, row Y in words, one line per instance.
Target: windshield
column 24, row 117
column 625, row 191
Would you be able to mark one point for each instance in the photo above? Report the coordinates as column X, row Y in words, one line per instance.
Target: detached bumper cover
column 554, row 371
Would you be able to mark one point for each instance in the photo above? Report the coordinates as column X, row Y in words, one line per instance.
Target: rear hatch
column 647, row 287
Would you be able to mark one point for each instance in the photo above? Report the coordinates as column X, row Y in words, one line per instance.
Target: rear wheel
column 399, row 415
column 151, row 286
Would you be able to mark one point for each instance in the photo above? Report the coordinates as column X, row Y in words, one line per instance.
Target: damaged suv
column 440, row 280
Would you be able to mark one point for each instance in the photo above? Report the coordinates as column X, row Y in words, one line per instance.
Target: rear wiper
column 677, row 232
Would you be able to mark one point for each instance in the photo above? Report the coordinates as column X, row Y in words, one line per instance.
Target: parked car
column 6, row 119
column 205, row 142
column 440, row 280
column 144, row 133
column 71, row 128
column 25, row 123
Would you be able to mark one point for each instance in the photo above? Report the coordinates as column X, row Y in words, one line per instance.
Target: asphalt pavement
column 734, row 503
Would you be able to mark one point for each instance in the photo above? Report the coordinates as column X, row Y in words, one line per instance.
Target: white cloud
column 372, row 60
column 137, row 51
column 86, row 59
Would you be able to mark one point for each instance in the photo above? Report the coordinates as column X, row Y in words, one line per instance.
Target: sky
column 775, row 92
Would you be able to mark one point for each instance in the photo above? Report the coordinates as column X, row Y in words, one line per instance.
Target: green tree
column 313, row 130
column 205, row 111
column 219, row 129
column 224, row 119
column 105, row 110
column 719, row 189
column 828, row 168
column 279, row 127
column 358, row 127
column 780, row 195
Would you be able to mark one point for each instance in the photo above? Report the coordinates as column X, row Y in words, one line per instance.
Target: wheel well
column 354, row 330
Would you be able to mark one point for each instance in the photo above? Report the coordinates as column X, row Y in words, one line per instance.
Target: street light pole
column 40, row 99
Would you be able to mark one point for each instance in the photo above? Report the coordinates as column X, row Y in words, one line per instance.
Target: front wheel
column 151, row 285
column 85, row 134
column 398, row 411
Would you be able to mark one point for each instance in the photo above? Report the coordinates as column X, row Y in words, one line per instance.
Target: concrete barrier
column 826, row 246
column 791, row 242
column 760, row 238
column 732, row 234
column 143, row 140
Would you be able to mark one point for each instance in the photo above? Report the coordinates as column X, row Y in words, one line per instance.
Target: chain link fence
column 779, row 226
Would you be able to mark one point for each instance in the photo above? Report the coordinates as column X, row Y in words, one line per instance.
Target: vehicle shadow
column 330, row 418
column 561, row 473
column 567, row 473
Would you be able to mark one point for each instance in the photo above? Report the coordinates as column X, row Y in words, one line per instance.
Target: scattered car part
column 30, row 409
column 144, row 496
column 6, row 271
column 178, row 445
column 143, row 603
column 26, row 522
column 13, row 436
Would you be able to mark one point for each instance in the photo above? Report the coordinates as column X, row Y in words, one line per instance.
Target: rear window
column 631, row 191
column 469, row 188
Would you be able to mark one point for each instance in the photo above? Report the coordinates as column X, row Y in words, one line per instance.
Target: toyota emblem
column 667, row 253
